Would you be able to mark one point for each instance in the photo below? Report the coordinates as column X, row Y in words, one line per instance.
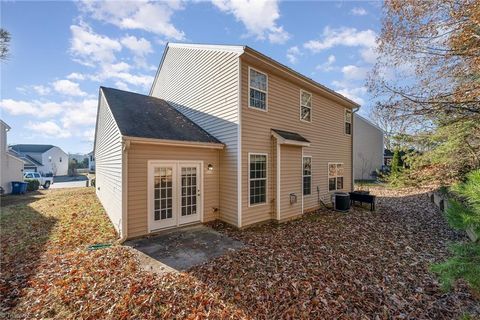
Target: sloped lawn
column 326, row 265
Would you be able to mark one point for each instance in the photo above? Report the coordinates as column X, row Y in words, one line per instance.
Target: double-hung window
column 348, row 121
column 258, row 178
column 305, row 106
column 258, row 88
column 335, row 176
column 307, row 175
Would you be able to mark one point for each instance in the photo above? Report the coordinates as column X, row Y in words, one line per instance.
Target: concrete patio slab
column 183, row 248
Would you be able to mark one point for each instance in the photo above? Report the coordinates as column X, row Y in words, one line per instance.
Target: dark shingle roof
column 34, row 148
column 27, row 160
column 142, row 116
column 290, row 135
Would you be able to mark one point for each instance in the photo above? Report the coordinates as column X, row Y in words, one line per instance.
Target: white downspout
column 354, row 110
column 125, row 148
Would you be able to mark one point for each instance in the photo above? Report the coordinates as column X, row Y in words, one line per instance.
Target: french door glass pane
column 163, row 184
column 189, row 191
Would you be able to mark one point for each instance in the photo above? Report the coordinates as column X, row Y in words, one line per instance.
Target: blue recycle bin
column 19, row 187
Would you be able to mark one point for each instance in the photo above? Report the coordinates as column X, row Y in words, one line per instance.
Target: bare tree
column 429, row 59
column 4, row 43
column 396, row 126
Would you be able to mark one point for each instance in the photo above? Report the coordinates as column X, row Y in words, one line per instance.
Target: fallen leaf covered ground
column 360, row 265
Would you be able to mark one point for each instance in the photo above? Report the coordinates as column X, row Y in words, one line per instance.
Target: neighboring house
column 387, row 157
column 91, row 162
column 368, row 147
column 11, row 167
column 227, row 133
column 42, row 158
column 77, row 157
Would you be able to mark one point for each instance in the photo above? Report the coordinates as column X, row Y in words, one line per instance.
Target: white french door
column 174, row 193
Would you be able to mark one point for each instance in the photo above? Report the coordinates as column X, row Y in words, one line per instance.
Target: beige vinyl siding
column 138, row 157
column 290, row 180
column 329, row 143
column 367, row 148
column 108, row 155
column 203, row 85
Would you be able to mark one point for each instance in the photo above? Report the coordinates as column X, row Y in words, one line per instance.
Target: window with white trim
column 305, row 106
column 257, row 89
column 307, row 176
column 335, row 176
column 258, row 178
column 348, row 121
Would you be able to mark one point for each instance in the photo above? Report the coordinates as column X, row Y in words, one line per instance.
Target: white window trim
column 311, row 175
column 266, row 178
column 311, row 106
column 345, row 121
column 266, row 92
column 328, row 177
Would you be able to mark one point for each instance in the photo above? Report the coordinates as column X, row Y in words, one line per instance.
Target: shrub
column 465, row 264
column 33, row 185
column 92, row 182
column 462, row 213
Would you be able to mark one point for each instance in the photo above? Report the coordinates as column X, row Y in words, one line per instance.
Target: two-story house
column 42, row 158
column 226, row 133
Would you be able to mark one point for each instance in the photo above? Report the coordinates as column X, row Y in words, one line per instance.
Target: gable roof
column 243, row 49
column 142, row 116
column 33, row 148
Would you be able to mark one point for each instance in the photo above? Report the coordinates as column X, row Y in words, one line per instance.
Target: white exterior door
column 174, row 193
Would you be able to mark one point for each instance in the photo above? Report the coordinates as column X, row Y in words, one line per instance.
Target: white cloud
column 88, row 135
column 68, row 88
column 351, row 90
column 41, row 90
column 76, row 76
column 139, row 46
column 328, row 65
column 151, row 16
column 258, row 16
column 90, row 48
column 32, row 108
column 352, row 72
column 121, row 72
column 48, row 129
column 122, row 85
column 16, row 108
column 79, row 114
column 354, row 94
column 72, row 117
column 358, row 11
column 349, row 37
column 293, row 53
column 369, row 55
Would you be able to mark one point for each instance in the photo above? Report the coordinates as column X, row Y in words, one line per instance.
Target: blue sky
column 61, row 52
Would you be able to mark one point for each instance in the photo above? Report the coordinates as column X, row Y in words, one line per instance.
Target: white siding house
column 11, row 167
column 45, row 159
column 212, row 74
column 91, row 162
column 109, row 163
column 367, row 148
